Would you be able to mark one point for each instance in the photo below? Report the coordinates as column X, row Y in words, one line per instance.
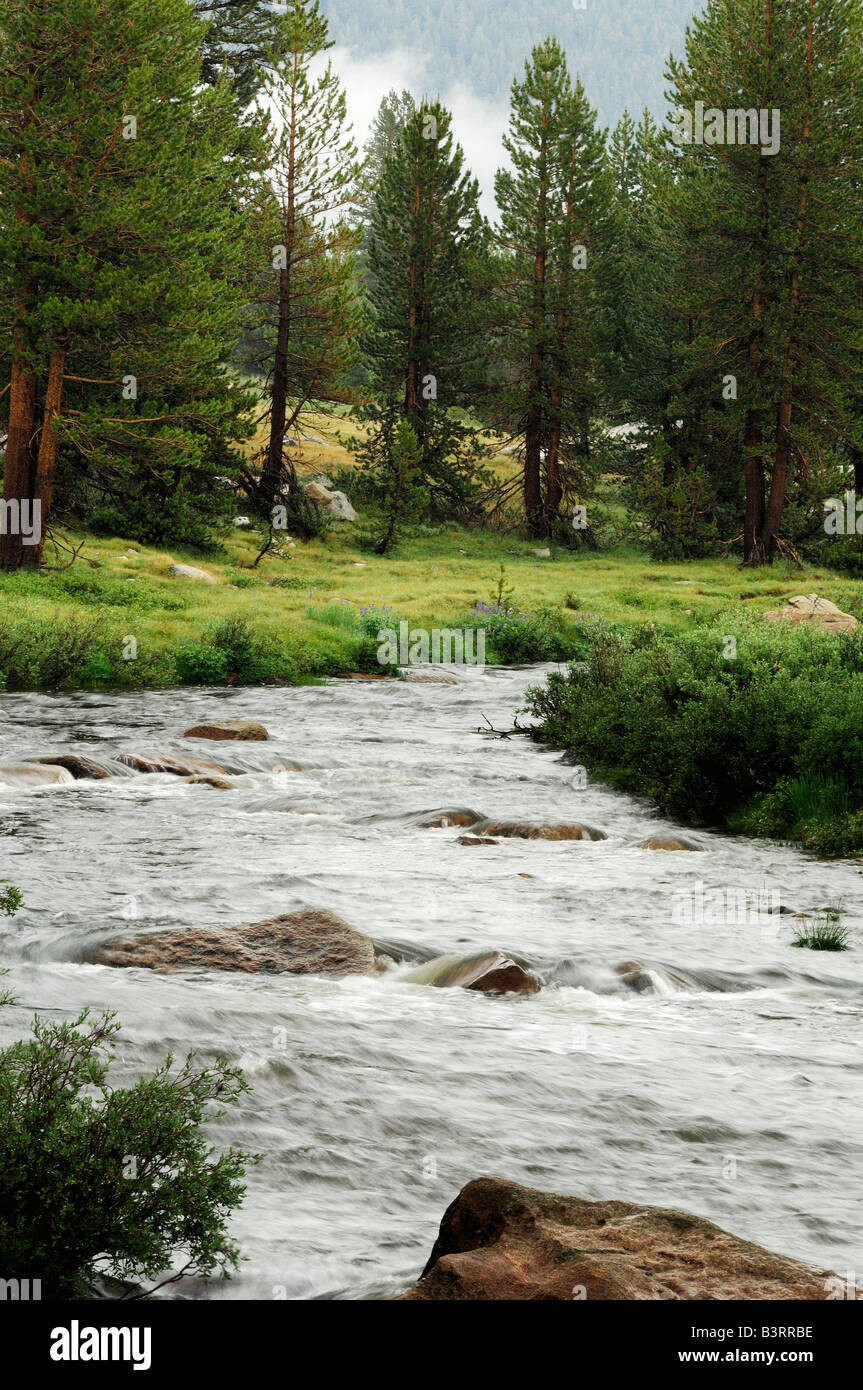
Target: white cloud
column 477, row 124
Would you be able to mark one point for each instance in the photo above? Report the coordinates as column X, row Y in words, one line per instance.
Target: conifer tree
column 309, row 296
column 120, row 244
column 771, row 243
column 423, row 346
column 555, row 206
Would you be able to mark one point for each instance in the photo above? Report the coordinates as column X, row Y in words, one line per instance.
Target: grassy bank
column 300, row 615
column 743, row 724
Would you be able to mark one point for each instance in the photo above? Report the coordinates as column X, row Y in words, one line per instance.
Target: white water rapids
column 374, row 1099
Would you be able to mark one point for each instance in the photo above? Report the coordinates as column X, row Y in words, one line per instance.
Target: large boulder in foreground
column 500, row 1241
column 489, row 972
column 298, row 943
column 818, row 612
column 246, row 730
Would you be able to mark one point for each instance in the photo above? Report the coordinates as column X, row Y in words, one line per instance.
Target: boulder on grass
column 190, row 572
column 818, row 612
column 245, row 730
column 297, row 943
column 499, row 1241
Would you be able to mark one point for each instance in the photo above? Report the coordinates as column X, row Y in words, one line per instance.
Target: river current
column 732, row 1089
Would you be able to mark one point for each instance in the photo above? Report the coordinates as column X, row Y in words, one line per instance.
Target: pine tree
column 555, row 206
column 423, row 346
column 119, row 244
column 311, row 302
column 772, row 249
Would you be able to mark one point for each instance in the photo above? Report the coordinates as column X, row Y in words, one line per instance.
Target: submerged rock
column 80, row 768
column 414, row 677
column 442, row 820
column 180, row 767
column 516, row 830
column 246, row 730
column 499, row 1241
column 298, row 943
column 221, row 782
column 31, row 776
column 668, row 843
column 490, row 972
column 476, row 840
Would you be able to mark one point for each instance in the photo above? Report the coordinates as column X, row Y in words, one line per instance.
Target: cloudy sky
column 477, row 124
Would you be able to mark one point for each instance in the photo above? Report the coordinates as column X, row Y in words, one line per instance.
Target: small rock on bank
column 501, row 1241
column 246, row 730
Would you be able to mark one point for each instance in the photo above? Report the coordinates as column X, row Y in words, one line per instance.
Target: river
column 374, row 1099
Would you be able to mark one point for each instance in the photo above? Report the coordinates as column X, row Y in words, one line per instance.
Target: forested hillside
column 619, row 47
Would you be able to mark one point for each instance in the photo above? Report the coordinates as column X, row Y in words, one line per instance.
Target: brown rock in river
column 244, row 729
column 221, row 783
column 298, row 943
column 79, row 767
column 440, row 820
column 488, row 972
column 30, row 776
column 667, row 843
column 515, row 830
column 180, row 767
column 476, row 840
column 499, row 1241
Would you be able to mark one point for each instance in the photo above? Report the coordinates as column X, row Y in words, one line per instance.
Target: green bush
column 514, row 637
column 118, row 1183
column 10, row 898
column 767, row 735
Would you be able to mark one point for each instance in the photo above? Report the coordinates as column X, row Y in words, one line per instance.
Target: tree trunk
column 272, row 471
column 43, row 491
column 18, row 471
column 753, row 474
column 533, row 432
column 782, row 448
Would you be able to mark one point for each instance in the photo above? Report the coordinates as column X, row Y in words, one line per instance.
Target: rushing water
column 375, row 1099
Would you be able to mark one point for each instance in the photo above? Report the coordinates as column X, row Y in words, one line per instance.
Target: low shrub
column 768, row 739
column 118, row 1183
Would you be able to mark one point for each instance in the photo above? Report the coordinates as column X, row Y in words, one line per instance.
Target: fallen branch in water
column 492, row 732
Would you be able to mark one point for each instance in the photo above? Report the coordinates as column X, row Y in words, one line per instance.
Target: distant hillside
column 618, row 46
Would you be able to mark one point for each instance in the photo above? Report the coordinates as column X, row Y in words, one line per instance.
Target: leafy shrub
column 200, row 664
column 513, row 636
column 121, row 1183
column 771, row 739
column 11, row 898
